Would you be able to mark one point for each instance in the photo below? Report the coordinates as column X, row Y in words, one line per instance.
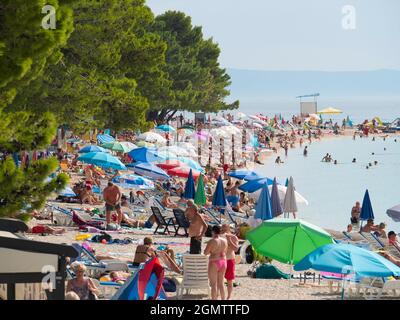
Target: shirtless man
column 197, row 227
column 233, row 246
column 112, row 196
column 216, row 248
column 369, row 227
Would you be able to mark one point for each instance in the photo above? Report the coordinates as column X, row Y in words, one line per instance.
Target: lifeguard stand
column 308, row 107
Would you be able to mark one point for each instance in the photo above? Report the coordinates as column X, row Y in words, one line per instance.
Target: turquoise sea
column 331, row 189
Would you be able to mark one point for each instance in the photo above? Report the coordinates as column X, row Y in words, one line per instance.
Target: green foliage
column 25, row 50
column 109, row 68
column 197, row 81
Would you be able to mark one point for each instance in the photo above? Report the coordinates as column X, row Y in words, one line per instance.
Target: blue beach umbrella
column 366, row 209
column 263, row 207
column 189, row 187
column 219, row 199
column 104, row 138
column 191, row 163
column 102, row 159
column 165, row 128
column 145, row 155
column 133, row 180
column 253, row 186
column 276, row 205
column 348, row 259
column 252, row 176
column 93, row 148
column 148, row 169
column 241, row 174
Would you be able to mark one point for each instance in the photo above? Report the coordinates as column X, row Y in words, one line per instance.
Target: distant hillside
column 257, row 84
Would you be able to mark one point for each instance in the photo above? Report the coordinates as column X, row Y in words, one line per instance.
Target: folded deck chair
column 181, row 221
column 162, row 222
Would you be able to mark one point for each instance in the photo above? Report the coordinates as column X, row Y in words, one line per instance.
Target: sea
column 332, row 190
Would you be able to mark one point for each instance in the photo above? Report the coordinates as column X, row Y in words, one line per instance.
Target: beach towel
column 269, row 271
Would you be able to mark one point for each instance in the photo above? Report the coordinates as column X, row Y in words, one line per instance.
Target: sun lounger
column 195, row 274
column 61, row 216
column 162, row 221
column 373, row 241
column 181, row 221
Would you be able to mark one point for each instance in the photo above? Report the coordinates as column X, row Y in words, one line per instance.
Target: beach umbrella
column 366, row 209
column 175, row 149
column 145, row 155
column 189, row 187
column 241, row 115
column 257, row 125
column 200, row 197
column 394, row 213
column 149, row 169
column 330, row 110
column 191, row 163
column 219, row 199
column 254, row 185
column 145, row 144
column 253, row 117
column 282, row 190
column 170, row 164
column 263, row 207
column 165, row 128
column 104, row 138
column 92, row 148
column 289, row 203
column 185, row 131
column 133, row 180
column 287, row 240
column 102, row 159
column 240, row 174
column 152, row 137
column 183, row 172
column 253, row 176
column 347, row 258
column 67, row 192
column 187, row 126
column 117, row 146
column 167, row 154
column 275, row 200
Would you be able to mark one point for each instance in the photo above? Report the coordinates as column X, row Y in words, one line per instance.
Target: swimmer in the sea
column 354, row 160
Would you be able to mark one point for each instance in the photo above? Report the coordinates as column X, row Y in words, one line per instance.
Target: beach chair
column 195, row 275
column 372, row 240
column 181, row 221
column 390, row 286
column 355, row 238
column 162, row 221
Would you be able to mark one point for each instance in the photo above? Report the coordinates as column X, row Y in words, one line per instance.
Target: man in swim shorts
column 112, row 196
column 233, row 246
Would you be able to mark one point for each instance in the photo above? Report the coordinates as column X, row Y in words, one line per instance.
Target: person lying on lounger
column 42, row 229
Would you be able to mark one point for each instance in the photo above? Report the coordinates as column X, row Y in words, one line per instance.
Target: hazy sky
column 297, row 34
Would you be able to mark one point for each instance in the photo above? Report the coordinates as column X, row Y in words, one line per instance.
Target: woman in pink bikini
column 216, row 248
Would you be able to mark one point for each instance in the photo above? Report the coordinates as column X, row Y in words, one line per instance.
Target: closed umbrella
column 101, row 159
column 289, row 203
column 92, row 148
column 263, row 207
column 200, row 197
column 149, row 169
column 275, row 200
column 366, row 209
column 189, row 187
column 345, row 259
column 219, row 199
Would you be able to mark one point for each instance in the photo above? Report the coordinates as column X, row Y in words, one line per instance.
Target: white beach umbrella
column 175, row 149
column 257, row 125
column 231, row 130
column 241, row 115
column 152, row 137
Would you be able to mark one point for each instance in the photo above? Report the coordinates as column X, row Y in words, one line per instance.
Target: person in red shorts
column 233, row 246
column 43, row 229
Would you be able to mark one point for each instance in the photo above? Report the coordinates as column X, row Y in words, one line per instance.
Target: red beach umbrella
column 170, row 164
column 183, row 172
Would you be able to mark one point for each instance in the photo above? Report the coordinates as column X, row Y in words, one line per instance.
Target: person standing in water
column 305, row 152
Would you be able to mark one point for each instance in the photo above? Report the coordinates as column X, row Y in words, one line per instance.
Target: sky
column 298, row 34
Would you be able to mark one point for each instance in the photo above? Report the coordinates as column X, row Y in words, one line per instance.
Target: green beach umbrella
column 287, row 240
column 200, row 197
column 117, row 146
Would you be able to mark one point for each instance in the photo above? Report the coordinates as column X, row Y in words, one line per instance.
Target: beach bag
column 169, row 285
